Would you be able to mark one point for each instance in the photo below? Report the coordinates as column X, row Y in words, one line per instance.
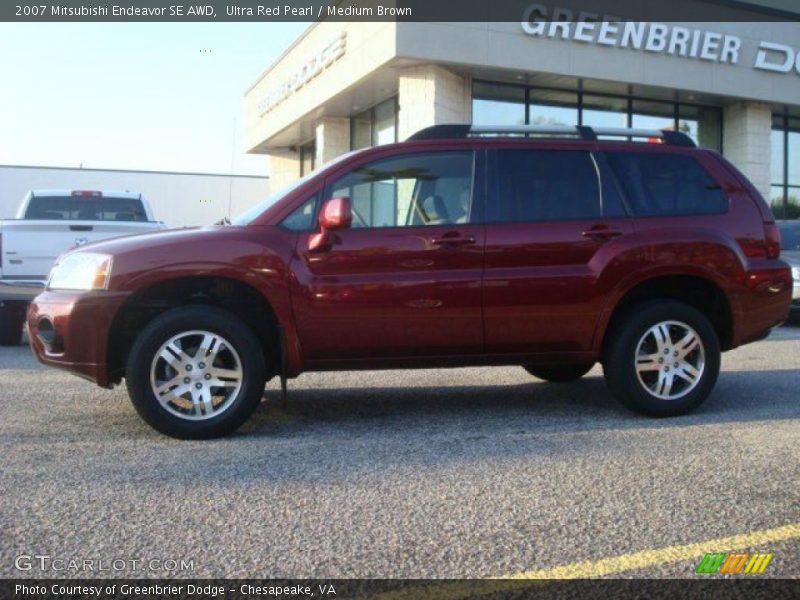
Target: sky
column 156, row 96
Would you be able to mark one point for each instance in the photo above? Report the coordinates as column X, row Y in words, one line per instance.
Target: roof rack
column 457, row 131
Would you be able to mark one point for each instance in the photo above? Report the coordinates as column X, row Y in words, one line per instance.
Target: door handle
column 456, row 240
column 601, row 234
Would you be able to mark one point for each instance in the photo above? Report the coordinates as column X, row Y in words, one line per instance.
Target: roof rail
column 458, row 131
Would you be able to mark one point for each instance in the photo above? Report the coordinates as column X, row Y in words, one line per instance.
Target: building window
column 308, row 157
column 375, row 126
column 508, row 104
column 785, row 168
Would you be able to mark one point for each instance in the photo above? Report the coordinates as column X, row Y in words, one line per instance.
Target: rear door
column 549, row 219
column 405, row 279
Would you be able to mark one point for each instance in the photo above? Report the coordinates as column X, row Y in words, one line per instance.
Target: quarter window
column 667, row 184
column 544, row 185
column 410, row 190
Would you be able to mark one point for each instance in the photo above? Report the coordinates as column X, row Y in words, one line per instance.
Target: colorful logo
column 734, row 562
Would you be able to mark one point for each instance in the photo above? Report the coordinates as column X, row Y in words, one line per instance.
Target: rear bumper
column 20, row 289
column 764, row 302
column 69, row 330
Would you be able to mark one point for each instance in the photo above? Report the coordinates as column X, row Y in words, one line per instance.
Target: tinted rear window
column 544, row 185
column 667, row 184
column 85, row 208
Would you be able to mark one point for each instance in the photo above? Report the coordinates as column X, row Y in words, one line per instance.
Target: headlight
column 796, row 273
column 81, row 271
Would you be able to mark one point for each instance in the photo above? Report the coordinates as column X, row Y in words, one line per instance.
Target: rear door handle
column 453, row 240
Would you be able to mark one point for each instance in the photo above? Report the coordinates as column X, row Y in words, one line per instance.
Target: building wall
column 178, row 199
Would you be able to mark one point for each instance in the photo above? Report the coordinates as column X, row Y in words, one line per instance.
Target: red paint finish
column 444, row 295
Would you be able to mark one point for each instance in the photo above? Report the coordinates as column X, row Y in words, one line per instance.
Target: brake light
column 772, row 238
column 87, row 193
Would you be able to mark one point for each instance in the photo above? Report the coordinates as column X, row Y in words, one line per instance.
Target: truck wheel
column 196, row 372
column 662, row 359
column 558, row 373
column 12, row 319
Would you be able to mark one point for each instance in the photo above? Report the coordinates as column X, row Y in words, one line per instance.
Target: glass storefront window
column 550, row 107
column 374, row 126
column 504, row 104
column 785, row 167
column 384, row 130
column 604, row 111
column 653, row 115
column 497, row 104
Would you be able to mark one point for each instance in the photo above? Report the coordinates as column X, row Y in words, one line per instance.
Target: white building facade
column 732, row 86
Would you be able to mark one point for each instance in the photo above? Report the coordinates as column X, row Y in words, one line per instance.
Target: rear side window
column 85, row 208
column 544, row 185
column 667, row 184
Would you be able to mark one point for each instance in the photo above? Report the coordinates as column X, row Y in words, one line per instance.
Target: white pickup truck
column 48, row 223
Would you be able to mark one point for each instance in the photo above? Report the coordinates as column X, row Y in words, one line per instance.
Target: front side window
column 667, row 184
column 409, row 190
column 544, row 185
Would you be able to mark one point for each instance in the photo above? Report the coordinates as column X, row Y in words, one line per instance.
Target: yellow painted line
column 596, row 568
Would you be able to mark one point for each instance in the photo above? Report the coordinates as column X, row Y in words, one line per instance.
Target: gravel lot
column 441, row 473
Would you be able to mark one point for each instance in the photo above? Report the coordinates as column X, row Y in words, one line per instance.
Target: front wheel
column 558, row 373
column 662, row 358
column 196, row 372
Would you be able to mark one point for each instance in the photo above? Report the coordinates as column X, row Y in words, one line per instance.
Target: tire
column 633, row 365
column 558, row 373
column 12, row 321
column 233, row 359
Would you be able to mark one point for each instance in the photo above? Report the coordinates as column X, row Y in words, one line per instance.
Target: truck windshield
column 82, row 208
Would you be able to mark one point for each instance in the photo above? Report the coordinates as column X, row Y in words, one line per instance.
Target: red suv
column 541, row 247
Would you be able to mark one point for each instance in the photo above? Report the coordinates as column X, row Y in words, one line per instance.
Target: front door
column 547, row 226
column 405, row 279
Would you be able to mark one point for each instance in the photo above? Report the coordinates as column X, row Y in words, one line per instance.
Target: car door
column 405, row 279
column 549, row 218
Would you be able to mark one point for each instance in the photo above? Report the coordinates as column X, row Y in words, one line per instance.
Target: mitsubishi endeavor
column 552, row 248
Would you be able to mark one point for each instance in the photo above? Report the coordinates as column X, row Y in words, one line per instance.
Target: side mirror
column 335, row 214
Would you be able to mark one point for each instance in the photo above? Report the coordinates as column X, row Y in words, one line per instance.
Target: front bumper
column 70, row 330
column 20, row 289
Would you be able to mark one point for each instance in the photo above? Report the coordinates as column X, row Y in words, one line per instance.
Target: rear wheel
column 662, row 359
column 12, row 320
column 558, row 373
column 196, row 372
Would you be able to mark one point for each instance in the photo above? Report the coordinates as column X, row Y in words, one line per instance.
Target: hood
column 150, row 239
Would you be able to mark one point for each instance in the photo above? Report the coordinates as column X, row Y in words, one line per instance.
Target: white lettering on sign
column 330, row 53
column 675, row 40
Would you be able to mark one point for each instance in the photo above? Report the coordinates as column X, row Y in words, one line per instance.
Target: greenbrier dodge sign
column 675, row 40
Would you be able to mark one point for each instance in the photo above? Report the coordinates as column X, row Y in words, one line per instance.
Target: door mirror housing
column 335, row 214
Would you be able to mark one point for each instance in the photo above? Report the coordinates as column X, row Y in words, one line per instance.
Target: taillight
column 772, row 239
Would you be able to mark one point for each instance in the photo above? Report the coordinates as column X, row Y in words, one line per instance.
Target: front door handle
column 601, row 233
column 455, row 240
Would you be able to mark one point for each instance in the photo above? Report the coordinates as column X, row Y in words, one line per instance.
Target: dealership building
column 732, row 86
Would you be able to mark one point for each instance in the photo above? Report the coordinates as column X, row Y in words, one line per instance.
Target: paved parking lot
column 446, row 473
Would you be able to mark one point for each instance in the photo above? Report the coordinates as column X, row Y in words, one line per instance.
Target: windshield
column 790, row 236
column 251, row 213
